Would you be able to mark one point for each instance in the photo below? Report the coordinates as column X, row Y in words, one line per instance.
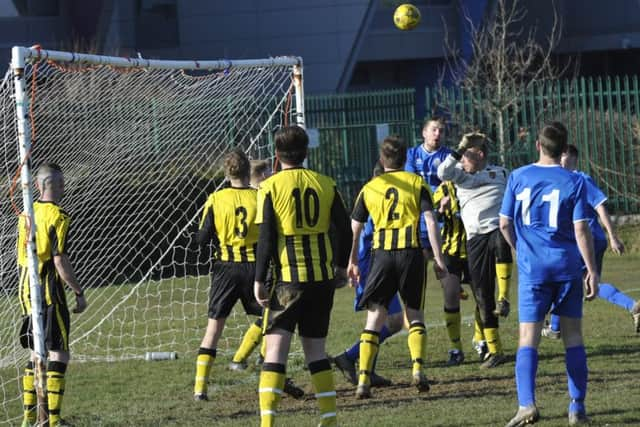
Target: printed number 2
column 392, row 193
column 554, row 202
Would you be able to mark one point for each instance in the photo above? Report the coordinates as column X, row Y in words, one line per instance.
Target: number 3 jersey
column 228, row 220
column 544, row 202
column 395, row 201
column 296, row 209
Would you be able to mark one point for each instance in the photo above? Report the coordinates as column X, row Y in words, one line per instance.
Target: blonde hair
column 475, row 139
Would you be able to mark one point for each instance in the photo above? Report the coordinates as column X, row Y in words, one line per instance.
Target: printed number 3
column 553, row 198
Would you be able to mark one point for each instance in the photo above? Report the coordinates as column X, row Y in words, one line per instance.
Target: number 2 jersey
column 297, row 210
column 228, row 220
column 544, row 202
column 395, row 201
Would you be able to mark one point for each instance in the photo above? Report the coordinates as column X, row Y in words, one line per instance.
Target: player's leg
column 223, row 295
column 369, row 343
column 534, row 301
column 615, row 296
column 57, row 326
column 250, row 340
column 313, row 328
column 570, row 311
column 412, row 282
column 504, row 267
column 453, row 319
column 29, row 396
column 273, row 374
column 482, row 268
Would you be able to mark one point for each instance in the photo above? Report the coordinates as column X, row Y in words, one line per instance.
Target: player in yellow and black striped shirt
column 228, row 221
column 51, row 227
column 296, row 209
column 394, row 200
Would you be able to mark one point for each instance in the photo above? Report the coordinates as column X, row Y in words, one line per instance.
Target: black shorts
column 231, row 281
column 458, row 267
column 56, row 329
column 305, row 305
column 394, row 271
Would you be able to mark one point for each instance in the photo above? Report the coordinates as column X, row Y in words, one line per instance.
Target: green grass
column 139, row 393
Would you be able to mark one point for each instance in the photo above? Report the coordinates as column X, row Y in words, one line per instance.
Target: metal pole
column 24, row 146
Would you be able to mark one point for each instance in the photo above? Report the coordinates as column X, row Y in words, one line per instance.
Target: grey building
column 347, row 45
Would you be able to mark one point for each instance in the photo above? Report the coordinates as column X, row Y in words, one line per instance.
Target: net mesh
column 141, row 149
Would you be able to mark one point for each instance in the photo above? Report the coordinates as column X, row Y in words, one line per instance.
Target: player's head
column 393, row 153
column 569, row 159
column 236, row 165
column 432, row 132
column 552, row 140
column 475, row 156
column 260, row 170
column 50, row 182
column 291, row 145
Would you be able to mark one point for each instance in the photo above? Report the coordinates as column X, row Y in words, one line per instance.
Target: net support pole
column 24, row 147
column 299, row 90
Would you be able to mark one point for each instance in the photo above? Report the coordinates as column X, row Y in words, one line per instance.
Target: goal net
column 141, row 144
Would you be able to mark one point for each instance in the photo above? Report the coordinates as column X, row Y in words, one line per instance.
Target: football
column 406, row 17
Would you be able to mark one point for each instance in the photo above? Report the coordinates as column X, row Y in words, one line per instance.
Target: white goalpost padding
column 140, row 142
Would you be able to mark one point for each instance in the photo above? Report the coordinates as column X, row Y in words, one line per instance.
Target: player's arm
column 359, row 216
column 409, row 165
column 58, row 240
column 507, row 230
column 616, row 244
column 585, row 245
column 207, row 229
column 433, row 231
column 267, row 241
column 342, row 228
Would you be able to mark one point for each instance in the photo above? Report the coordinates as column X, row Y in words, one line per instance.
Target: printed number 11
column 554, row 202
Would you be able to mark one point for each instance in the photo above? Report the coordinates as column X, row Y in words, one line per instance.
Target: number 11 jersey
column 544, row 202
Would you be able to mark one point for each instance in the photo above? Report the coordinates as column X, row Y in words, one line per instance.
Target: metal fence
column 602, row 115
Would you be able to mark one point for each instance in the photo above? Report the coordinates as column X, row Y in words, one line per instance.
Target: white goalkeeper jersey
column 479, row 194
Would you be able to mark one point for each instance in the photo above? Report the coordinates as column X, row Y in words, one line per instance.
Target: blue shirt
column 595, row 197
column 364, row 250
column 425, row 164
column 543, row 202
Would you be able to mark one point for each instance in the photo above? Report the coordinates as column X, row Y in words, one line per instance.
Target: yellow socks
column 503, row 273
column 29, row 397
column 369, row 341
column 205, row 359
column 325, row 390
column 250, row 341
column 270, row 389
column 452, row 320
column 55, row 390
column 493, row 340
column 478, row 330
column 417, row 345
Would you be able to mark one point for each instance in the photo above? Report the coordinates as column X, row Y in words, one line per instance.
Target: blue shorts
column 562, row 298
column 394, row 305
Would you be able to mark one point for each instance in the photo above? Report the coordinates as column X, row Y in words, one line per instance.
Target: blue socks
column 526, row 370
column 577, row 373
column 353, row 353
column 555, row 323
column 614, row 296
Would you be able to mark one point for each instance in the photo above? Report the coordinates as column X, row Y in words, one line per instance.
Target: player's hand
column 464, row 143
column 261, row 294
column 354, row 273
column 440, row 268
column 445, row 203
column 81, row 304
column 617, row 247
column 591, row 280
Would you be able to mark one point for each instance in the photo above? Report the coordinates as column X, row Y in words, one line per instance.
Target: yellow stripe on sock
column 503, row 273
column 417, row 342
column 269, row 392
column 368, row 349
column 325, row 392
column 203, row 368
column 493, row 340
column 453, row 323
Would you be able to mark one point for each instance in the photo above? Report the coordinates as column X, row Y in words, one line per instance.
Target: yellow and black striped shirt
column 229, row 221
column 454, row 238
column 296, row 208
column 395, row 201
column 52, row 226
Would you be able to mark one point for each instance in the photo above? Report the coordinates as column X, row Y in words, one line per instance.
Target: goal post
column 141, row 143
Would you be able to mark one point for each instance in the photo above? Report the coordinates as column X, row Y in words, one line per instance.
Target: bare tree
column 507, row 59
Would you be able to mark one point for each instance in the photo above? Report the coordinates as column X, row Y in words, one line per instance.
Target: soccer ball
column 406, row 17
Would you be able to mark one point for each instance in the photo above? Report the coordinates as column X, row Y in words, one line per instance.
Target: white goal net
column 140, row 143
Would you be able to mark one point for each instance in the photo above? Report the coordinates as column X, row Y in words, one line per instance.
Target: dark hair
column 572, row 150
column 553, row 139
column 236, row 165
column 47, row 172
column 259, row 168
column 378, row 169
column 393, row 152
column 430, row 119
column 476, row 139
column 291, row 144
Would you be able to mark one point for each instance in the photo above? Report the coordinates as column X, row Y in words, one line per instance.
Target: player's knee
column 395, row 322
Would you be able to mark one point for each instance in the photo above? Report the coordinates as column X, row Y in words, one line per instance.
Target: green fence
column 602, row 115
